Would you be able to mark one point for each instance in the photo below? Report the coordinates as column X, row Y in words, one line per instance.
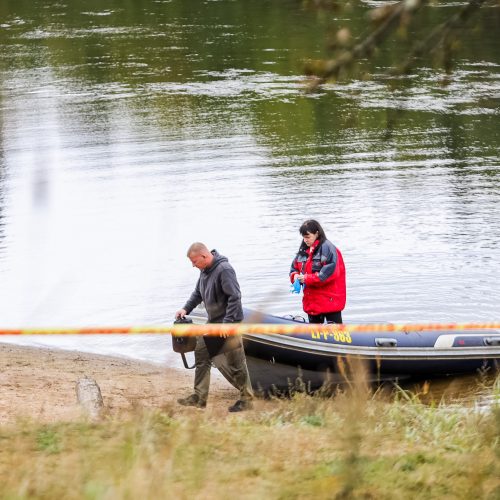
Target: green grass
column 354, row 445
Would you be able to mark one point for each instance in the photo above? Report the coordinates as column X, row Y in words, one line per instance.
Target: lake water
column 131, row 129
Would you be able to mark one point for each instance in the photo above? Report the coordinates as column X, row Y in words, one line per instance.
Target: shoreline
column 39, row 383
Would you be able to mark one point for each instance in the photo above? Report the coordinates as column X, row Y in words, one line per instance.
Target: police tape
column 229, row 329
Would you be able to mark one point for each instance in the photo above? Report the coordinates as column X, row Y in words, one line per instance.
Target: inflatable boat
column 317, row 358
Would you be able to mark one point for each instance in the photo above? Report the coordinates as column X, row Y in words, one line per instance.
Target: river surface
column 131, row 129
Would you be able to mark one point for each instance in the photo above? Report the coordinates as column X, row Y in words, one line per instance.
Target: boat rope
column 229, row 329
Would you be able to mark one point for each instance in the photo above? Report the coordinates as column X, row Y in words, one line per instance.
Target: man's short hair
column 197, row 248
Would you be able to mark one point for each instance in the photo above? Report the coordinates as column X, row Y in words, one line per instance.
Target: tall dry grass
column 356, row 444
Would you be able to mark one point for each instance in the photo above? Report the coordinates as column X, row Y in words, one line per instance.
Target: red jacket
column 324, row 270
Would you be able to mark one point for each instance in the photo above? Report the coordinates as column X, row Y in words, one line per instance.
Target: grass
column 355, row 445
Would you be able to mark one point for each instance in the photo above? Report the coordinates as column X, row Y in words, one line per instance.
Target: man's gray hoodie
column 218, row 289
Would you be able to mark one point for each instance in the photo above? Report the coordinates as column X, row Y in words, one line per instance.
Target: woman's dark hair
column 312, row 226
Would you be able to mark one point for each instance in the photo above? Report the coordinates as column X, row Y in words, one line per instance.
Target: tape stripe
column 244, row 328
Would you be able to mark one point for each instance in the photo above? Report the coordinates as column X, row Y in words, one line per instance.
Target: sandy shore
column 39, row 383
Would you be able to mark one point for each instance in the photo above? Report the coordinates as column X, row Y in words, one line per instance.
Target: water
column 130, row 131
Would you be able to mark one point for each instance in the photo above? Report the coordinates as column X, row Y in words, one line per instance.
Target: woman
column 319, row 266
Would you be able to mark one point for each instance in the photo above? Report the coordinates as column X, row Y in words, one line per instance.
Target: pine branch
column 439, row 35
column 392, row 17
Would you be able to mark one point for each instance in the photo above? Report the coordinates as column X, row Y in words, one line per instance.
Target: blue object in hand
column 296, row 286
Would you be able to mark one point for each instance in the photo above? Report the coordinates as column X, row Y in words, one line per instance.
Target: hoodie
column 218, row 289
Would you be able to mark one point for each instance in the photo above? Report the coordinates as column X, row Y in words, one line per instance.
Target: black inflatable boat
column 314, row 358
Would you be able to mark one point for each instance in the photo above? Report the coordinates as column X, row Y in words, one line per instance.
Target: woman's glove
column 296, row 286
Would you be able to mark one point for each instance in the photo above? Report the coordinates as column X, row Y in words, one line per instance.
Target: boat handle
column 493, row 341
column 382, row 342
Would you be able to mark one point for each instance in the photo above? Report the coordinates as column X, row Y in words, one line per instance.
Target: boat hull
column 278, row 368
column 309, row 361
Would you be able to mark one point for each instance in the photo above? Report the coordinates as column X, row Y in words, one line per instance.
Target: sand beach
column 40, row 384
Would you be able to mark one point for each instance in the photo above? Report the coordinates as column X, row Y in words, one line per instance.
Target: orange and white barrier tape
column 228, row 329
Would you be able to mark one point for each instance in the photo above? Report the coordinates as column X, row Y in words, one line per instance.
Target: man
column 218, row 289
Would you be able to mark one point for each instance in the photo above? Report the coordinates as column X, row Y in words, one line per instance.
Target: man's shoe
column 240, row 405
column 192, row 400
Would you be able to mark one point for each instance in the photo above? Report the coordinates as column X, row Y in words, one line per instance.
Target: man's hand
column 180, row 314
column 300, row 277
